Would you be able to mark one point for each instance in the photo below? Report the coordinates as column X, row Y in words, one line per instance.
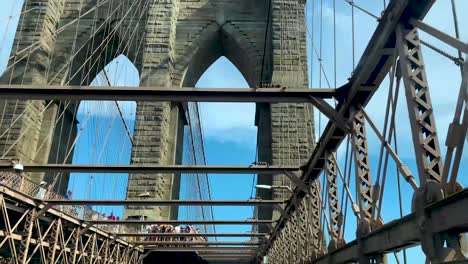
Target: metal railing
column 20, row 183
column 24, row 185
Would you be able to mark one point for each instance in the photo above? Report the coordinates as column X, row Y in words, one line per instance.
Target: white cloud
column 227, row 122
column 232, row 122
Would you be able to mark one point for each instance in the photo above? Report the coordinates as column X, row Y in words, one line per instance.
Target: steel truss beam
column 454, row 42
column 423, row 128
column 168, row 202
column 363, row 170
column 242, row 95
column 334, row 210
column 373, row 66
column 56, row 238
column 238, row 95
column 404, row 232
column 150, row 169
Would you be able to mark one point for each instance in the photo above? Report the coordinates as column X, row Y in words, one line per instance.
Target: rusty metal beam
column 420, row 110
column 334, row 208
column 452, row 41
column 404, row 232
column 150, row 169
column 14, row 198
column 362, row 166
column 168, row 202
column 260, row 95
column 49, row 236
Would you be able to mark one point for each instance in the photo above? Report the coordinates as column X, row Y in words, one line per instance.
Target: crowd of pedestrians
column 169, row 229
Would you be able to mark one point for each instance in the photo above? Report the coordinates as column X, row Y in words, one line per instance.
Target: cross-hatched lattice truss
column 314, row 191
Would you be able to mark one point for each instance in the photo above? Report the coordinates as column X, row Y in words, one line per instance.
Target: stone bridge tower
column 171, row 43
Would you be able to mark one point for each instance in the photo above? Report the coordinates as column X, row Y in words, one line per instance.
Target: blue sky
column 229, row 130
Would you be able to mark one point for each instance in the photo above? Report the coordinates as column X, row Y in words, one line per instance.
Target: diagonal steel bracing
column 363, row 170
column 374, row 65
column 56, row 238
column 336, row 217
column 421, row 116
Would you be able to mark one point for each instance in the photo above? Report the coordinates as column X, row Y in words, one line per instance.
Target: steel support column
column 26, row 241
column 334, row 210
column 362, row 165
column 437, row 247
column 364, row 187
column 421, row 115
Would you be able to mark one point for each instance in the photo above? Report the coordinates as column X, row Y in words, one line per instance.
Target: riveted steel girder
column 421, row 115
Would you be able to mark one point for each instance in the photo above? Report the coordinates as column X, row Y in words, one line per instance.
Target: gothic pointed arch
column 213, row 42
column 79, row 62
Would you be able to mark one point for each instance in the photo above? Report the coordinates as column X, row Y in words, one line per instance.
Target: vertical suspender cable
column 457, row 31
column 267, row 28
column 334, row 40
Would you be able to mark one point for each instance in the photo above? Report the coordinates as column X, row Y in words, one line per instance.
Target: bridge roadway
column 55, row 234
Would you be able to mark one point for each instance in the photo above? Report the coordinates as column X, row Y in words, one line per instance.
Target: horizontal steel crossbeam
column 141, row 169
column 168, row 202
column 225, row 250
column 442, row 216
column 183, row 222
column 191, row 235
column 198, row 243
column 239, row 95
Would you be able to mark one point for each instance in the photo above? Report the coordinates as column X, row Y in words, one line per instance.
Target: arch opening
column 104, row 134
column 229, row 136
column 227, row 42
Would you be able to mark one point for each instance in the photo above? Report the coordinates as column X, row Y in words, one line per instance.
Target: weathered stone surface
column 172, row 43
